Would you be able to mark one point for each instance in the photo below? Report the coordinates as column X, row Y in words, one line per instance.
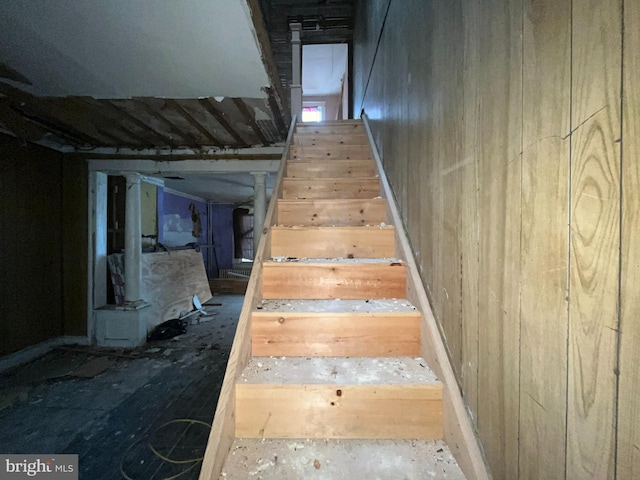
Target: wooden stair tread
column 334, row 168
column 337, row 306
column 339, row 371
column 323, row 261
column 330, row 187
column 291, row 459
column 337, row 212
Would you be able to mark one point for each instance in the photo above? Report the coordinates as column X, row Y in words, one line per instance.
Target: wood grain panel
column 499, row 155
column 469, row 208
column 339, row 152
column 545, row 197
column 327, row 188
column 447, row 152
column 333, row 242
column 338, row 411
column 335, row 168
column 170, row 280
column 628, row 399
column 336, row 334
column 594, row 240
column 332, row 212
column 296, row 280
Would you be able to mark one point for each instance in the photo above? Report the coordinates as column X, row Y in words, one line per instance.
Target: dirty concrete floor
column 126, row 413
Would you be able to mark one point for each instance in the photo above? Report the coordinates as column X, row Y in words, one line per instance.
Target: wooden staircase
column 331, row 350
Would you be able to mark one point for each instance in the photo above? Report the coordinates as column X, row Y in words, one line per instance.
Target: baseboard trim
column 29, row 354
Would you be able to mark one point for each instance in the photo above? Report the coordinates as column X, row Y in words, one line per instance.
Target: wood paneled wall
column 510, row 131
column 31, row 243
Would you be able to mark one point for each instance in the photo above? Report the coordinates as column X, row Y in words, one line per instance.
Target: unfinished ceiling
column 156, row 77
column 144, row 74
column 323, row 22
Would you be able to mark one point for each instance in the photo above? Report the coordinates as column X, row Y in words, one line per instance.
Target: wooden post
column 296, row 78
column 132, row 240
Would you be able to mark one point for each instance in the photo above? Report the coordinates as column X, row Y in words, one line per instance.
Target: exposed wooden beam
column 80, row 110
column 172, row 127
column 116, row 119
column 210, row 107
column 193, row 122
column 276, row 93
column 277, row 111
column 136, row 121
column 179, row 157
column 49, row 116
column 22, row 128
column 242, row 107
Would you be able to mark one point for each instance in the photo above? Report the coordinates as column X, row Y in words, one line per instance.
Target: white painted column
column 259, row 207
column 296, row 71
column 132, row 240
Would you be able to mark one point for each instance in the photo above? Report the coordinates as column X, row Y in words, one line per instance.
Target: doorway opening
column 325, row 82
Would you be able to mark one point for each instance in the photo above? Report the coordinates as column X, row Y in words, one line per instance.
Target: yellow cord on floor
column 194, row 461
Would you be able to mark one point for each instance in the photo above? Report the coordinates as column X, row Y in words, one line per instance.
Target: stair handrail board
column 458, row 430
column 222, row 432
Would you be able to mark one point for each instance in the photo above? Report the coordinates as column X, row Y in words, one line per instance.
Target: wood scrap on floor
column 169, row 282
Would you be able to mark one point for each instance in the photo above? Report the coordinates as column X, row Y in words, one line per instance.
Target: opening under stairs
column 337, row 369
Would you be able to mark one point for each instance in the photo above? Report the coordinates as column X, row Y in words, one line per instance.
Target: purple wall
column 175, row 226
column 175, row 229
column 221, row 221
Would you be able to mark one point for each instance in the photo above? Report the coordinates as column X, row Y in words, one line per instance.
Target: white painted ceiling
column 323, row 67
column 128, row 48
column 235, row 188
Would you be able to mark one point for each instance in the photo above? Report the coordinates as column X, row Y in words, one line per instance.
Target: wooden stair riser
column 335, row 334
column 333, row 242
column 327, row 213
column 327, row 188
column 339, row 411
column 329, row 129
column 335, row 152
column 308, row 281
column 333, row 169
column 329, row 140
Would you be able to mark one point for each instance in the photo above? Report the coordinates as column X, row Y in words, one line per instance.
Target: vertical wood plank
column 469, row 209
column 448, row 112
column 545, row 254
column 499, row 153
column 595, row 237
column 628, row 466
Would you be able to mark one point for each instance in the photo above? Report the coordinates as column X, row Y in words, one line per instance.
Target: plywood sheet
column 338, row 411
column 336, row 334
column 169, row 282
column 332, row 212
column 330, row 242
column 347, row 280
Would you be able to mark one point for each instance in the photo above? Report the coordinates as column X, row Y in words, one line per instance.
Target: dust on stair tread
column 286, row 459
column 283, row 259
column 337, row 305
column 338, row 371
